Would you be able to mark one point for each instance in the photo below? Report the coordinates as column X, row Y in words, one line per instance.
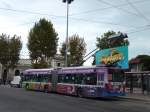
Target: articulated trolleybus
column 81, row 81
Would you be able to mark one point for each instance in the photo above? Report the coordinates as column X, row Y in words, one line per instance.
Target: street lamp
column 68, row 2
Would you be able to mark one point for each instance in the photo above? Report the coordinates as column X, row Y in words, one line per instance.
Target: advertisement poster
column 117, row 57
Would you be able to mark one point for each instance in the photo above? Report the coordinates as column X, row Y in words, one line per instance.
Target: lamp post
column 66, row 51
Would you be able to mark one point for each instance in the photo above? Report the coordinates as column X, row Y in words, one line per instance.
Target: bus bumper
column 113, row 94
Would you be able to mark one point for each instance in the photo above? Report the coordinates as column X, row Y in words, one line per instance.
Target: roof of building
column 134, row 61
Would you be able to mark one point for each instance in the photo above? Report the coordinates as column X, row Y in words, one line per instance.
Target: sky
column 87, row 18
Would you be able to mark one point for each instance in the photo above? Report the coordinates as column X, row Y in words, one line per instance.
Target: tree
column 10, row 48
column 42, row 43
column 77, row 49
column 103, row 42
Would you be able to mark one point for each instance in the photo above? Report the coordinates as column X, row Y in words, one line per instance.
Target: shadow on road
column 112, row 99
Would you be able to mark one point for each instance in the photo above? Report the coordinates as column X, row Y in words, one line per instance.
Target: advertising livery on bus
column 80, row 81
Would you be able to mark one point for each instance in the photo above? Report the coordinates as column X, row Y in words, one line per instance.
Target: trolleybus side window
column 33, row 78
column 30, row 78
column 66, row 79
column 46, row 78
column 69, row 78
column 26, row 78
column 90, row 79
column 60, row 78
column 39, row 78
column 78, row 79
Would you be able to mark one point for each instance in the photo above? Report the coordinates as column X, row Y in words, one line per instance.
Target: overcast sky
column 88, row 18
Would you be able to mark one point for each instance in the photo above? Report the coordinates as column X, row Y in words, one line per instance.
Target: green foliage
column 10, row 48
column 42, row 42
column 76, row 49
column 103, row 41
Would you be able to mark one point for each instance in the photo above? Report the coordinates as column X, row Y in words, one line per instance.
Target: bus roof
column 37, row 71
column 88, row 67
column 67, row 70
column 81, row 69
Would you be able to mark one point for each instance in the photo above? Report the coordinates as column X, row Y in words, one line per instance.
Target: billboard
column 117, row 56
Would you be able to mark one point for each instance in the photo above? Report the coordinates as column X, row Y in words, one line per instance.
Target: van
column 16, row 81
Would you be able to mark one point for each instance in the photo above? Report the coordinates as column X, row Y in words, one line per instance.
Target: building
column 23, row 64
column 57, row 61
column 137, row 80
column 135, row 65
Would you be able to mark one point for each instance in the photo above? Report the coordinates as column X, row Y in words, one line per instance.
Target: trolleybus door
column 54, row 80
column 101, row 79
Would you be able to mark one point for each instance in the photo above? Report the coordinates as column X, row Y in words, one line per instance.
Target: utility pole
column 66, row 57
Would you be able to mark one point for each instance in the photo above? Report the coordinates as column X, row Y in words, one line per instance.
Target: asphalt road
column 20, row 100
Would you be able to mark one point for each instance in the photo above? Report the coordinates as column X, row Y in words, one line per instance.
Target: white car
column 16, row 81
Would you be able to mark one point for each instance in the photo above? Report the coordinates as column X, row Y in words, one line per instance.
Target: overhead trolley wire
column 139, row 12
column 19, row 25
column 107, row 3
column 29, row 12
column 136, row 31
column 64, row 17
column 101, row 9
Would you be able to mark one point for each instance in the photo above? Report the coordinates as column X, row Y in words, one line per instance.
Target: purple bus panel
column 75, row 71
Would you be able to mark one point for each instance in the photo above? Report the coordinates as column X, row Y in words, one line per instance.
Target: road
column 20, row 100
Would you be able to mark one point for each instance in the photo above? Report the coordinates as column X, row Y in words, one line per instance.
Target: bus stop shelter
column 138, row 81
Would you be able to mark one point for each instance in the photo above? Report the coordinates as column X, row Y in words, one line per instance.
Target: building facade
column 137, row 80
column 24, row 64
